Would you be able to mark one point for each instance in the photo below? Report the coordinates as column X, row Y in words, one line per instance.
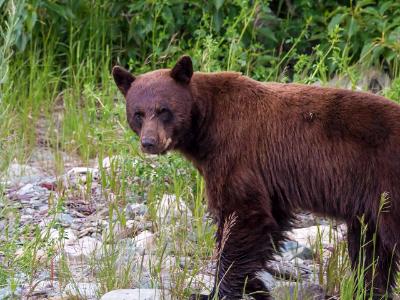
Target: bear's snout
column 148, row 143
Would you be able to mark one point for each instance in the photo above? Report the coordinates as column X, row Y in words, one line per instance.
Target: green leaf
column 267, row 33
column 353, row 27
column 218, row 4
column 31, row 21
column 217, row 20
column 336, row 20
column 385, row 6
column 366, row 50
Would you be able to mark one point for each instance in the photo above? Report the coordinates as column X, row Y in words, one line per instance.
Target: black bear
column 267, row 150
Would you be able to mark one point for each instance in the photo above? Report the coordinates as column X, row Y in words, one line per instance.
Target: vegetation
column 56, row 91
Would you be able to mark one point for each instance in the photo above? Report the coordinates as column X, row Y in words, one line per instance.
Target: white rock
column 85, row 290
column 41, row 255
column 81, row 170
column 145, row 241
column 170, row 263
column 311, row 235
column 135, row 209
column 113, row 161
column 82, row 249
column 17, row 173
column 170, row 208
column 47, row 287
column 136, row 294
column 26, row 189
column 202, row 283
column 80, row 175
column 267, row 279
column 53, row 235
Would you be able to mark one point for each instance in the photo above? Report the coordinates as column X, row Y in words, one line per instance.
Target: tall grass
column 8, row 37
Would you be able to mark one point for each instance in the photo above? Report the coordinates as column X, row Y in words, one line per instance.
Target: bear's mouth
column 159, row 149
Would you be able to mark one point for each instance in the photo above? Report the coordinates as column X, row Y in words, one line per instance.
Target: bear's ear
column 123, row 79
column 183, row 70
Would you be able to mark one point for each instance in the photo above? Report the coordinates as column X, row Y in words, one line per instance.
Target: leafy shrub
column 255, row 32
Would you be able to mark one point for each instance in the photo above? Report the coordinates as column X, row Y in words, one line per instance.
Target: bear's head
column 158, row 104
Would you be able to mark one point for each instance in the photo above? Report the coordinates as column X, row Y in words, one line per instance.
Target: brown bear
column 267, row 150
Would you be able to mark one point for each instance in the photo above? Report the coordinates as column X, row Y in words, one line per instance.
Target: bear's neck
column 218, row 101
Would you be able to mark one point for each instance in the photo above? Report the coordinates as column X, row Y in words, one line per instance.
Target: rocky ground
column 78, row 233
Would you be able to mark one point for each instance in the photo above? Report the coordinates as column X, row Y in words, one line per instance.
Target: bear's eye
column 138, row 117
column 165, row 114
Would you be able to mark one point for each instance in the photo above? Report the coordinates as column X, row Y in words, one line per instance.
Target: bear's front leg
column 245, row 243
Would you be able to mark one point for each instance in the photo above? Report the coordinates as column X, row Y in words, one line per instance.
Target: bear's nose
column 148, row 142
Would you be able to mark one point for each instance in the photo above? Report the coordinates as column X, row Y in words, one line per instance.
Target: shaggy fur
column 269, row 150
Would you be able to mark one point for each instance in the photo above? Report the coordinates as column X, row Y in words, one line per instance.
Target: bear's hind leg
column 257, row 290
column 387, row 253
column 377, row 255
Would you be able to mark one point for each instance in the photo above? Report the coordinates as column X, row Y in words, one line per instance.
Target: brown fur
column 269, row 150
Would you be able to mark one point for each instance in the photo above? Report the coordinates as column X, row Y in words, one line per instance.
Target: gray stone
column 135, row 209
column 80, row 175
column 85, row 290
column 172, row 208
column 42, row 155
column 53, row 235
column 64, row 219
column 304, row 253
column 299, row 291
column 82, row 249
column 292, row 249
column 30, row 193
column 21, row 174
column 317, row 234
column 7, row 293
column 269, row 281
column 112, row 162
column 136, row 294
column 145, row 242
column 289, row 246
column 127, row 257
column 202, row 283
column 289, row 270
column 2, row 225
column 46, row 287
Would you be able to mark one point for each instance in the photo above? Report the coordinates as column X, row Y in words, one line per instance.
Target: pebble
column 79, row 175
column 82, row 290
column 21, row 174
column 41, row 255
column 172, row 208
column 82, row 249
column 126, row 255
column 64, row 219
column 311, row 235
column 7, row 293
column 135, row 209
column 269, row 281
column 298, row 291
column 112, row 162
column 46, row 287
column 145, row 242
column 202, row 283
column 292, row 249
column 54, row 235
column 136, row 294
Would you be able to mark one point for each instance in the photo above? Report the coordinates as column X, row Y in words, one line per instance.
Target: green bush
column 148, row 31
